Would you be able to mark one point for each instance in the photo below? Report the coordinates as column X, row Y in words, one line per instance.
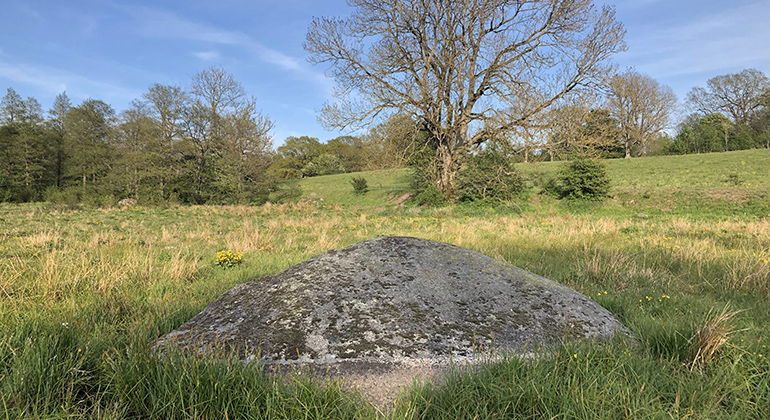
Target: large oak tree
column 468, row 70
column 737, row 95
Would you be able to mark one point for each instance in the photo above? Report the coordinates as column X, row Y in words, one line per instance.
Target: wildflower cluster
column 653, row 299
column 229, row 258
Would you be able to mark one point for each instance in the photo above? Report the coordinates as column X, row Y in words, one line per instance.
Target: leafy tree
column 139, row 157
column 465, row 71
column 24, row 150
column 246, row 155
column 12, row 108
column 222, row 132
column 61, row 106
column 710, row 133
column 394, row 142
column 351, row 151
column 295, row 154
column 324, row 164
column 87, row 141
column 578, row 129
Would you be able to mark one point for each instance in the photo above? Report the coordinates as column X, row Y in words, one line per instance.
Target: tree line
column 434, row 84
column 206, row 143
column 632, row 116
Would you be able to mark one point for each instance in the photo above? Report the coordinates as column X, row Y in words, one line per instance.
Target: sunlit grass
column 84, row 293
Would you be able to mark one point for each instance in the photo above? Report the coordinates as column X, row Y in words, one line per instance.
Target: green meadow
column 680, row 253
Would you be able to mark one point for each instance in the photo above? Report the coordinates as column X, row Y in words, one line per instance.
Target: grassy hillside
column 337, row 189
column 725, row 183
column 85, row 292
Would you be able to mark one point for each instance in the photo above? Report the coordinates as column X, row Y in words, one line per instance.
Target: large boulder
column 393, row 301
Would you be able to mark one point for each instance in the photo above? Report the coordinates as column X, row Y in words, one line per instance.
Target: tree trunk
column 628, row 148
column 448, row 164
column 726, row 139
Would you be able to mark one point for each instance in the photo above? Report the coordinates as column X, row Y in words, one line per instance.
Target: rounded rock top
column 393, row 300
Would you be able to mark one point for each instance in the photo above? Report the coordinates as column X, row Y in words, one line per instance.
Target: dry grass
column 92, row 253
column 127, row 268
column 711, row 336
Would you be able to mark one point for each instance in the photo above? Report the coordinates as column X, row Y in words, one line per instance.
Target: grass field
column 83, row 294
column 732, row 184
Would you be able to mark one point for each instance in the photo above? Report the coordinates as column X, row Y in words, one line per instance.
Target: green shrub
column 733, row 179
column 63, row 197
column 360, row 186
column 489, row 176
column 288, row 192
column 423, row 185
column 429, row 196
column 582, row 179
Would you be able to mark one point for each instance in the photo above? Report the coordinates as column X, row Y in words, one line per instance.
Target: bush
column 489, row 176
column 582, row 179
column 63, row 197
column 360, row 186
column 733, row 179
column 429, row 196
column 324, row 164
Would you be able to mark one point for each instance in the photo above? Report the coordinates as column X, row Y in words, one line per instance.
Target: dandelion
column 229, row 258
column 575, row 356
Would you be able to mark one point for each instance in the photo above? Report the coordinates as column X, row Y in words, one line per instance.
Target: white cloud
column 162, row 24
column 54, row 81
column 719, row 42
column 206, row 55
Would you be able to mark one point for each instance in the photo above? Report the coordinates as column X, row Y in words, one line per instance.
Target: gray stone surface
column 393, row 301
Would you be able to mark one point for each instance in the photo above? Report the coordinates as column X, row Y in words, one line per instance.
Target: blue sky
column 113, row 50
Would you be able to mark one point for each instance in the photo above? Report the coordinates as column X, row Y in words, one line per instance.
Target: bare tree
column 222, row 126
column 736, row 95
column 578, row 126
column 642, row 107
column 246, row 148
column 468, row 70
column 218, row 90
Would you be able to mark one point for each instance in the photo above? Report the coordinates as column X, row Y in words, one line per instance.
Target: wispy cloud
column 158, row 23
column 722, row 41
column 53, row 81
column 206, row 55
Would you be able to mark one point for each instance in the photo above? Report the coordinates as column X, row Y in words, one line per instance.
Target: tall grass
column 84, row 293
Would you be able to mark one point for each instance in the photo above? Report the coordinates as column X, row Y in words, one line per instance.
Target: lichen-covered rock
column 393, row 300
